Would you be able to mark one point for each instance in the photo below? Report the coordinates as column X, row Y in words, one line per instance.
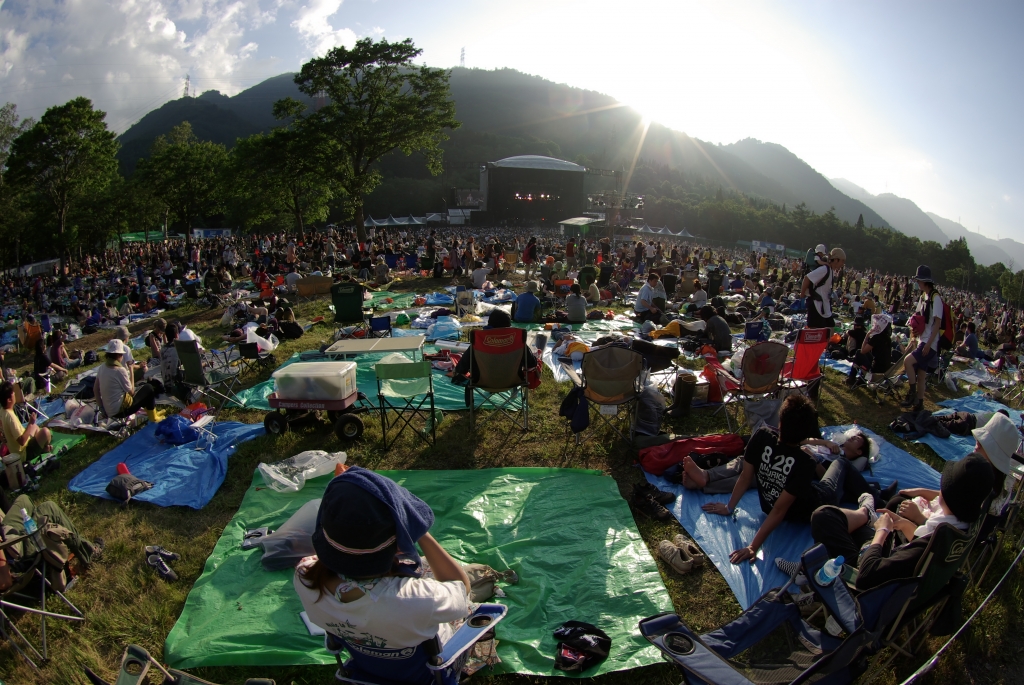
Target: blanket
column 718, row 536
column 595, row 568
column 956, row 447
column 181, row 475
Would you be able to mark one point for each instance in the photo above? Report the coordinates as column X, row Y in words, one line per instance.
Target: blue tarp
column 956, row 447
column 439, row 299
column 718, row 535
column 181, row 475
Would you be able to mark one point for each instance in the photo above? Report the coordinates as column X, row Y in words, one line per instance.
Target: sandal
column 691, row 549
column 674, row 557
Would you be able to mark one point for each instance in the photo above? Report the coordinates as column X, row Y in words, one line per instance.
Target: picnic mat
column 398, row 300
column 956, row 447
column 718, row 535
column 181, row 475
column 567, row 532
column 447, row 396
column 59, row 440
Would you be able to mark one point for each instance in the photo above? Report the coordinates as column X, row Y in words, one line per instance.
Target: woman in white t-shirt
column 925, row 357
column 364, row 586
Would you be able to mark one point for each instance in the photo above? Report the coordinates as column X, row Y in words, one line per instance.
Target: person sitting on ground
column 286, row 323
column 157, row 338
column 381, row 272
column 138, row 370
column 862, row 536
column 854, row 337
column 594, row 295
column 969, row 348
column 365, row 585
column 29, row 332
column 479, row 276
column 43, row 367
column 115, row 387
column 87, row 552
column 293, row 276
column 576, row 305
column 59, row 353
column 645, row 308
column 716, row 329
column 876, row 351
column 786, row 476
column 28, row 441
column 526, row 308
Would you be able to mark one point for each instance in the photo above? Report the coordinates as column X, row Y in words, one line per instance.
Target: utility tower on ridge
column 462, row 58
column 186, row 86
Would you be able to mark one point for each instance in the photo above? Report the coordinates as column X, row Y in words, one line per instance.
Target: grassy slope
column 126, row 603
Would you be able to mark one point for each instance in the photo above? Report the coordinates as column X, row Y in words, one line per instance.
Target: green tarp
column 399, row 300
column 567, row 532
column 59, row 440
column 447, row 396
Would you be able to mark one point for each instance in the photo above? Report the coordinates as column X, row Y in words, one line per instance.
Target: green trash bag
column 402, row 319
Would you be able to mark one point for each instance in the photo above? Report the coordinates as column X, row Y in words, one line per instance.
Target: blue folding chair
column 430, row 663
column 380, row 327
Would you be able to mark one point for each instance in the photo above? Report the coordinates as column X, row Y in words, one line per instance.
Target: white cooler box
column 315, row 381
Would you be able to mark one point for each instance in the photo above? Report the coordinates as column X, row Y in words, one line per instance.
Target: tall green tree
column 64, row 158
column 282, row 172
column 12, row 212
column 186, row 174
column 377, row 101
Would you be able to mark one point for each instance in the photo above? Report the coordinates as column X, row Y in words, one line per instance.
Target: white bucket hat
column 1000, row 439
column 115, row 346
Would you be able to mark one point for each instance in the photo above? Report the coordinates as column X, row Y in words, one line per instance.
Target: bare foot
column 695, row 474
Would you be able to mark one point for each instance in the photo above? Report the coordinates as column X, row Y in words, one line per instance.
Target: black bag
column 290, row 330
column 580, row 646
column 90, row 357
column 124, row 486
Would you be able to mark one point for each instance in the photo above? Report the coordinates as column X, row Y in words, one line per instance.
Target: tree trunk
column 360, row 228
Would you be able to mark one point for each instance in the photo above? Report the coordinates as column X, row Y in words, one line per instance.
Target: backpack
column 946, row 328
column 124, row 486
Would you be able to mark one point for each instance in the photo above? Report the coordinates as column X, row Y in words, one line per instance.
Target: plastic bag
column 445, row 327
column 264, row 344
column 293, row 541
column 176, row 430
column 290, row 475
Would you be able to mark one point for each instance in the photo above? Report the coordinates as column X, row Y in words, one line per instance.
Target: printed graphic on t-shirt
column 772, row 473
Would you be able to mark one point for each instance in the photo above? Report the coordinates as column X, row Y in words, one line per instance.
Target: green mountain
column 985, row 250
column 505, row 112
column 900, row 211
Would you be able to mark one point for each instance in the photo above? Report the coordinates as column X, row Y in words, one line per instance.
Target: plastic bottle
column 30, row 523
column 829, row 572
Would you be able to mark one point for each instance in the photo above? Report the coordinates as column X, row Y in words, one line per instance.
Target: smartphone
column 254, row 537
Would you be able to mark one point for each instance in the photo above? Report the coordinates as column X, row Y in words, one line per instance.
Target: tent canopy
column 392, row 221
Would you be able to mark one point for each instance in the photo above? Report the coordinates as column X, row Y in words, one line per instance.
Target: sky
column 917, row 98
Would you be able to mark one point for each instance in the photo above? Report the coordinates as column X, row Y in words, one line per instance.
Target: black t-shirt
column 781, row 468
column 881, row 349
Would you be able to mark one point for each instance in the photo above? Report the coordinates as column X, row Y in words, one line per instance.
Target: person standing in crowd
column 818, row 286
column 925, row 357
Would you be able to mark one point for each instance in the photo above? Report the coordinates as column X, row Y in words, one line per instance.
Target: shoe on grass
column 97, row 550
column 165, row 554
column 793, row 569
column 690, row 548
column 647, row 506
column 160, row 566
column 673, row 556
column 660, row 496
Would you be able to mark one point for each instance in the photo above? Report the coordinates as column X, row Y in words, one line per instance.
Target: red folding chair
column 762, row 368
column 497, row 363
column 804, row 372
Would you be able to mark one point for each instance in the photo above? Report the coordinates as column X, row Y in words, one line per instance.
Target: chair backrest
column 391, row 666
column 248, row 350
column 497, row 358
column 305, row 287
column 810, row 345
column 215, row 286
column 191, row 361
column 403, row 378
column 612, row 374
column 380, row 324
column 511, row 258
column 347, row 299
column 465, row 300
column 762, row 366
column 192, row 291
column 942, row 558
column 755, row 330
column 562, row 286
column 669, row 281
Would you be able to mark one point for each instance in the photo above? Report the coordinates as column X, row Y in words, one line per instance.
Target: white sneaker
column 867, row 502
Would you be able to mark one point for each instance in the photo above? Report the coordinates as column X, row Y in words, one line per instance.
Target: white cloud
column 128, row 56
column 314, row 25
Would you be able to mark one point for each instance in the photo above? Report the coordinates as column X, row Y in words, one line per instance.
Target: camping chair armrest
column 683, row 647
column 12, row 540
column 478, row 624
column 570, row 371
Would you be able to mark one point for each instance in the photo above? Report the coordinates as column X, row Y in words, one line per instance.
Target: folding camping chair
column 497, row 363
column 611, row 378
column 750, row 650
column 347, row 299
column 380, row 327
column 429, row 658
column 762, row 366
column 135, row 665
column 305, row 289
column 511, row 260
column 561, row 288
column 804, row 372
column 936, row 573
column 251, row 359
column 465, row 302
column 217, row 383
column 34, row 573
column 401, row 379
column 888, row 383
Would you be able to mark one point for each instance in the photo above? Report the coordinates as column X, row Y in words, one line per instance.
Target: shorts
column 927, row 359
column 32, row 450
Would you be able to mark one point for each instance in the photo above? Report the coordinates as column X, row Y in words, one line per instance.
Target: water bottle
column 829, row 572
column 30, row 523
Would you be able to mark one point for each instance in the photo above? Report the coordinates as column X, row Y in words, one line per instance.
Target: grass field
column 126, row 602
